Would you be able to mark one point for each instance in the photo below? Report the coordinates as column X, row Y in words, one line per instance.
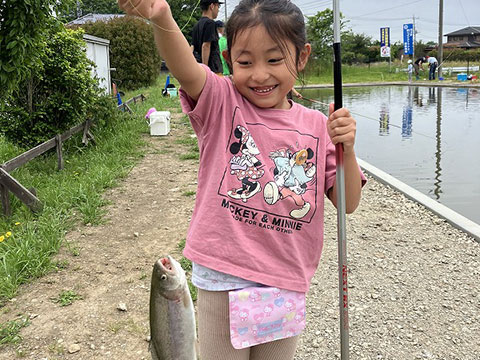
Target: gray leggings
column 214, row 333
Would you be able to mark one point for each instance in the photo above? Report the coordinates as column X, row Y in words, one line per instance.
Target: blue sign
column 408, row 39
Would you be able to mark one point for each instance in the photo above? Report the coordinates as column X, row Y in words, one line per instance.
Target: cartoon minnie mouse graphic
column 292, row 173
column 244, row 165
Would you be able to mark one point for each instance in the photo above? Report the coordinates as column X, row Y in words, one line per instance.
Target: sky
column 368, row 16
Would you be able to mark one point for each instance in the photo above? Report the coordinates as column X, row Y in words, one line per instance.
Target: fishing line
column 161, row 28
column 367, row 117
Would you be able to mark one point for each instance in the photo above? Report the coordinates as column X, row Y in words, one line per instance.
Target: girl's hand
column 341, row 128
column 147, row 9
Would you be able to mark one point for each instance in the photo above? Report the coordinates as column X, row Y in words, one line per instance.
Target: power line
column 390, row 8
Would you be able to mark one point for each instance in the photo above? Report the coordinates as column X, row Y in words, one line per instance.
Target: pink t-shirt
column 263, row 174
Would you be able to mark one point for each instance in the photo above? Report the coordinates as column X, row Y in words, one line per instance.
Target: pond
column 426, row 137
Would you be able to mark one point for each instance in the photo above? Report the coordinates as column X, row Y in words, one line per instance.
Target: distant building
column 466, row 38
column 93, row 18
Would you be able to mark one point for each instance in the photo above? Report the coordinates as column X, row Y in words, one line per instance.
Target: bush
column 132, row 50
column 55, row 97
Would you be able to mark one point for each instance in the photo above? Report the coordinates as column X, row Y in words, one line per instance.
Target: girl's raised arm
column 171, row 44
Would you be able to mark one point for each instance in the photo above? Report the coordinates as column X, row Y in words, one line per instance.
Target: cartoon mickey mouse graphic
column 292, row 173
column 245, row 166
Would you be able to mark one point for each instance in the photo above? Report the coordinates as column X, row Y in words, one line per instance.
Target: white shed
column 98, row 50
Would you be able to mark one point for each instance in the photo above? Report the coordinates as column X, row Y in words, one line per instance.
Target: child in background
column 265, row 165
column 222, row 44
column 410, row 70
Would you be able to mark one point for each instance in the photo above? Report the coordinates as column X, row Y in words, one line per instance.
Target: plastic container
column 159, row 123
column 462, row 77
column 172, row 92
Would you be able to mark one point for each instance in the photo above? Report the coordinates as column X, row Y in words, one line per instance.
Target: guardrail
column 29, row 196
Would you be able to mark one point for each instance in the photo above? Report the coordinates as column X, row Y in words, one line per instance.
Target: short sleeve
column 209, row 32
column 330, row 166
column 209, row 105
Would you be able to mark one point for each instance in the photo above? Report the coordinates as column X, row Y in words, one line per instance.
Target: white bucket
column 159, row 123
column 172, row 92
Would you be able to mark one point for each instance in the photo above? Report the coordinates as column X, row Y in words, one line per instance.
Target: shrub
column 55, row 97
column 132, row 50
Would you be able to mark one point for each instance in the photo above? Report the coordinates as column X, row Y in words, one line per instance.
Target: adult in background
column 205, row 36
column 432, row 65
column 222, row 44
column 417, row 65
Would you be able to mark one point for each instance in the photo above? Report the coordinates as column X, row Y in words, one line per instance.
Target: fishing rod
column 340, row 184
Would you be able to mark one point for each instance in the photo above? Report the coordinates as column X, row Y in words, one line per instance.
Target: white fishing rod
column 340, row 183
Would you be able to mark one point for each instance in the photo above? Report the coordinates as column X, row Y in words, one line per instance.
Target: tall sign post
column 408, row 39
column 385, row 45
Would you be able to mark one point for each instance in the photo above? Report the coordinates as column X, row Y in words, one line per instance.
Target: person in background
column 418, row 65
column 410, row 70
column 205, row 36
column 432, row 65
column 222, row 44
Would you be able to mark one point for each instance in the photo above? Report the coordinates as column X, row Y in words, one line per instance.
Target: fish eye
column 163, row 277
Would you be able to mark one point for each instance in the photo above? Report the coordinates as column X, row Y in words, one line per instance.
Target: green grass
column 69, row 196
column 67, row 297
column 376, row 72
column 10, row 331
column 187, row 266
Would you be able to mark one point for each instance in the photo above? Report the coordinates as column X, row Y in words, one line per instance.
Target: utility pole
column 414, row 37
column 225, row 11
column 440, row 38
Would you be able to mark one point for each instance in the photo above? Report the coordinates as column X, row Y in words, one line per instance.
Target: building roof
column 95, row 39
column 94, row 18
column 465, row 31
column 462, row 44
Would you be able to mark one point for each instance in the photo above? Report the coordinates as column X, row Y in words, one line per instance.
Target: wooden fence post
column 86, row 132
column 58, row 141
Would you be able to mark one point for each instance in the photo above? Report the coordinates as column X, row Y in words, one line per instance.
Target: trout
column 172, row 316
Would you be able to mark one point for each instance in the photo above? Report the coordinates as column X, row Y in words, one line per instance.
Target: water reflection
column 407, row 116
column 384, row 120
column 424, row 136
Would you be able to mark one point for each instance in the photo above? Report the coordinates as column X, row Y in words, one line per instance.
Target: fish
column 173, row 333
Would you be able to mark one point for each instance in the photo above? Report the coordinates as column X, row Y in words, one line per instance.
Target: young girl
column 265, row 165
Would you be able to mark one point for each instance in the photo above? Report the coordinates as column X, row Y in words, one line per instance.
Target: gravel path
column 413, row 285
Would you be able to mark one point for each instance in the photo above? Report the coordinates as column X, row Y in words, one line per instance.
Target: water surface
column 427, row 137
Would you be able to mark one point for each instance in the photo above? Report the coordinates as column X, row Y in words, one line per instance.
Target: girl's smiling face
column 262, row 72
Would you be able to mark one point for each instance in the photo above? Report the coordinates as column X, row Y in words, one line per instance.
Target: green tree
column 132, row 50
column 320, row 33
column 24, row 26
column 186, row 13
column 355, row 47
column 56, row 96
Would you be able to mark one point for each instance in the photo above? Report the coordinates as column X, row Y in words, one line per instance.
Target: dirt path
column 414, row 278
column 111, row 264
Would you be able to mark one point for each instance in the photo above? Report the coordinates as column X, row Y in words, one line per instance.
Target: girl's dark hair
column 282, row 19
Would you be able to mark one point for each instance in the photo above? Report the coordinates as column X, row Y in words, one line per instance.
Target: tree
column 57, row 95
column 320, row 33
column 24, row 27
column 355, row 47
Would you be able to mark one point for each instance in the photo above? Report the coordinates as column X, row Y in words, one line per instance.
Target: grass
column 376, row 72
column 67, row 297
column 28, row 241
column 10, row 331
